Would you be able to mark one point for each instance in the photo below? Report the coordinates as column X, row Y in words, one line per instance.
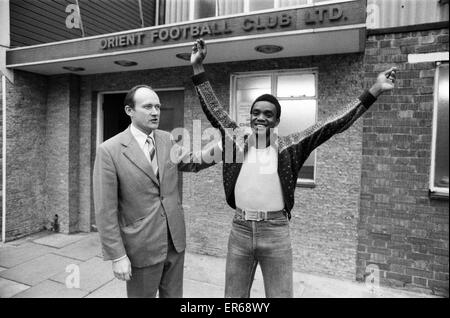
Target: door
column 115, row 120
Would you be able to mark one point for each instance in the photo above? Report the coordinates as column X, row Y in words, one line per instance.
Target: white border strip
column 434, row 130
column 432, row 187
column 186, row 22
column 3, row 158
column 428, row 57
column 189, row 44
column 100, row 119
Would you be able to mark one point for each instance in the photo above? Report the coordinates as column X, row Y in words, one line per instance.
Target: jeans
column 267, row 243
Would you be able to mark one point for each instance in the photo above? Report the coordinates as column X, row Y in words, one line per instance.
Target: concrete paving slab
column 211, row 270
column 14, row 255
column 191, row 289
column 31, row 263
column 196, row 289
column 205, row 268
column 39, row 269
column 29, row 238
column 114, row 289
column 60, row 240
column 83, row 250
column 257, row 290
column 9, row 288
column 51, row 289
column 314, row 286
column 93, row 274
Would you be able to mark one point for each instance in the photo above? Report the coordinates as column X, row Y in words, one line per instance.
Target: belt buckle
column 254, row 215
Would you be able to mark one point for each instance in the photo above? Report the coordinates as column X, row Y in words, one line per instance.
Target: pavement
column 55, row 265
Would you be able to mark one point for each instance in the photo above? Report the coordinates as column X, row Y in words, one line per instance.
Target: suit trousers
column 165, row 277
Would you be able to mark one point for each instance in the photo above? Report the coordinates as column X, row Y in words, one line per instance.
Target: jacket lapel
column 134, row 153
column 161, row 153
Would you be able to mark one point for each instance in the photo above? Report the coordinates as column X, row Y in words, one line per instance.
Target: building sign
column 198, row 30
column 324, row 16
column 121, row 40
column 306, row 19
column 268, row 22
column 331, row 13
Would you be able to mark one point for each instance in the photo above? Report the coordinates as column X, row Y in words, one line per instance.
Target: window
column 173, row 11
column 186, row 10
column 227, row 7
column 204, row 9
column 255, row 5
column 297, row 93
column 439, row 157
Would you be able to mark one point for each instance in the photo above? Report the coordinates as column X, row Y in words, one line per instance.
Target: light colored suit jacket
column 132, row 207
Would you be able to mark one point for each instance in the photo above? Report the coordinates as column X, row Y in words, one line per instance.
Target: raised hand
column 198, row 52
column 385, row 82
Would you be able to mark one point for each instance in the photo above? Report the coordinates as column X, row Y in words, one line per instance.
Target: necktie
column 152, row 152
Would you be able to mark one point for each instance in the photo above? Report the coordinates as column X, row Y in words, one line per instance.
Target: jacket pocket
column 134, row 225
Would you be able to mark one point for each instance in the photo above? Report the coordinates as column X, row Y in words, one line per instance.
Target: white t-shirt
column 258, row 185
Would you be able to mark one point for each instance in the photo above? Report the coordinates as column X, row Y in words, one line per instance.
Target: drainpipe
column 3, row 158
column 4, row 74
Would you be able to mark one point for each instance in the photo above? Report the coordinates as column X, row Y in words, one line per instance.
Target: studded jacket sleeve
column 211, row 106
column 233, row 136
column 312, row 137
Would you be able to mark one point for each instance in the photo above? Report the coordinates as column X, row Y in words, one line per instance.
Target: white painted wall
column 4, row 37
column 4, row 23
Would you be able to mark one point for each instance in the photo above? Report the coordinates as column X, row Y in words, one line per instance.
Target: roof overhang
column 333, row 27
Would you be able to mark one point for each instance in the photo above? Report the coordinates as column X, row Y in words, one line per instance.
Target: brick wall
column 42, row 153
column 324, row 224
column 402, row 230
column 87, row 146
column 62, row 151
column 26, row 164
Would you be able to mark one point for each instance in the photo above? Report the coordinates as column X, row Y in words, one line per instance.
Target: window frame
column 273, row 74
column 276, row 5
column 192, row 6
column 436, row 192
column 276, row 8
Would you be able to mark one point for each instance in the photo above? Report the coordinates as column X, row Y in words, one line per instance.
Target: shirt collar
column 140, row 136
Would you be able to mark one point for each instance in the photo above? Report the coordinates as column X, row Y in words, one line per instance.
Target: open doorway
column 115, row 120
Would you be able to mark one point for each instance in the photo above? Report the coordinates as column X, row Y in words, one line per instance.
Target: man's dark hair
column 129, row 99
column 271, row 99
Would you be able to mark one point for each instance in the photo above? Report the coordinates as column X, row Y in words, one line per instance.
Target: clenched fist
column 385, row 82
column 198, row 55
column 122, row 269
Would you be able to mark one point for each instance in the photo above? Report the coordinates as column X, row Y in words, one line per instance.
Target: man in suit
column 137, row 206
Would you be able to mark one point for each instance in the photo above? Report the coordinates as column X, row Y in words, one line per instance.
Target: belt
column 251, row 215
